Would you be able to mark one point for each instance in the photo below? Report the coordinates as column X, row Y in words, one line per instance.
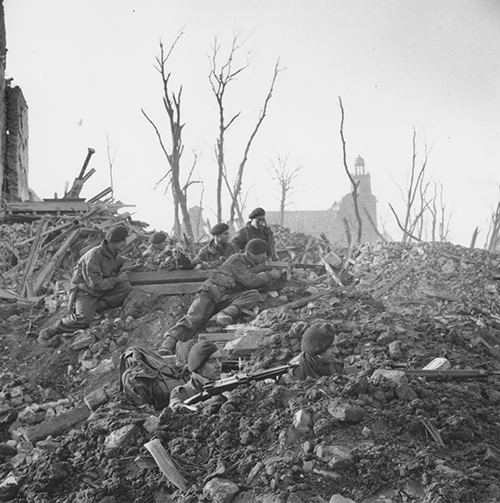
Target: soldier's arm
column 244, row 276
column 201, row 256
column 240, row 239
column 94, row 278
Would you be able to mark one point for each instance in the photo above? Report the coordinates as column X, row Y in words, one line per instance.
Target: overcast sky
column 86, row 69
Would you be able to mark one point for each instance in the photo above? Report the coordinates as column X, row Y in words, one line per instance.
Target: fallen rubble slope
column 367, row 435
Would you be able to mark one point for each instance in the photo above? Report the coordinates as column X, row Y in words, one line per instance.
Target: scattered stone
column 151, row 424
column 302, row 421
column 345, row 413
column 220, row 490
column 82, row 341
column 338, row 498
column 405, row 392
column 122, row 436
column 395, row 350
column 393, row 377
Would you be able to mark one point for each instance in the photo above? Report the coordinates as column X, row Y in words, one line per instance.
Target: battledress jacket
column 97, row 270
column 213, row 253
column 244, row 235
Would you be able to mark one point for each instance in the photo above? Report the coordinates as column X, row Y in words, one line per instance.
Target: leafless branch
column 401, row 227
column 354, row 184
column 239, row 177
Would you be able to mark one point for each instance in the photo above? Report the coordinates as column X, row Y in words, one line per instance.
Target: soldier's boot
column 168, row 346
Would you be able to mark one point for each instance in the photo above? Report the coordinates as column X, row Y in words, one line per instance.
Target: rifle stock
column 230, row 383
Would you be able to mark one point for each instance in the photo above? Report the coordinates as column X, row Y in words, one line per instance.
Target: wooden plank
column 60, row 205
column 399, row 277
column 101, row 194
column 165, row 464
column 216, row 336
column 56, row 425
column 164, row 276
column 47, row 272
column 170, row 288
column 24, row 287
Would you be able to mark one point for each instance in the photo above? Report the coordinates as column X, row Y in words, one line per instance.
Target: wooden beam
column 60, row 205
column 45, row 275
column 24, row 287
column 399, row 277
column 101, row 194
column 164, row 276
column 56, row 425
column 170, row 288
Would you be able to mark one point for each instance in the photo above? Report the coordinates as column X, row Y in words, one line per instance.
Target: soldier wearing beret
column 256, row 228
column 228, row 290
column 318, row 355
column 97, row 284
column 204, row 363
column 218, row 250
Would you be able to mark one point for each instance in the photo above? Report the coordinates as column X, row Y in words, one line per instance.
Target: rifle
column 230, row 383
column 452, row 373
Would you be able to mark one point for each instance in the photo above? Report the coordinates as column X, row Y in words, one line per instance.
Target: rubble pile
column 371, row 434
column 301, row 247
column 45, row 250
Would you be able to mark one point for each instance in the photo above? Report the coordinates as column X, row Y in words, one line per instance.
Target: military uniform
column 193, row 387
column 244, row 235
column 213, row 253
column 95, row 278
column 229, row 289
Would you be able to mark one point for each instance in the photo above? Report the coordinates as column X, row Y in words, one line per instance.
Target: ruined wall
column 3, row 52
column 330, row 222
column 13, row 133
column 16, row 145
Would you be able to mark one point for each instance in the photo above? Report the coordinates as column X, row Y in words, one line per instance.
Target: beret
column 117, row 234
column 256, row 246
column 317, row 339
column 257, row 212
column 200, row 353
column 219, row 229
column 157, row 238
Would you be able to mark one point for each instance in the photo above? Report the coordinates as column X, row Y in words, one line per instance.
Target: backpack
column 146, row 378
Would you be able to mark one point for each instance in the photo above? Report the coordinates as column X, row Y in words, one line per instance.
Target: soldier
column 97, row 284
column 218, row 250
column 204, row 363
column 155, row 252
column 224, row 294
column 318, row 355
column 256, row 228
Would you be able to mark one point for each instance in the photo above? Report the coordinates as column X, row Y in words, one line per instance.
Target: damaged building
column 13, row 133
column 331, row 222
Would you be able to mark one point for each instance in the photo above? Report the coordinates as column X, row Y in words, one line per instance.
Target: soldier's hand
column 276, row 273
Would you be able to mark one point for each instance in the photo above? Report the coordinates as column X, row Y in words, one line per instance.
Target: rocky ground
column 370, row 434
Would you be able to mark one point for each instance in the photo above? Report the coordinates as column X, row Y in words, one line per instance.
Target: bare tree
column 172, row 105
column 286, row 178
column 415, row 198
column 111, row 162
column 221, row 75
column 474, row 238
column 444, row 217
column 492, row 239
column 354, row 184
column 236, row 191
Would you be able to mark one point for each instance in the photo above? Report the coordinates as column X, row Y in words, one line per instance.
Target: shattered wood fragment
column 56, row 425
column 165, row 464
column 295, row 304
column 170, row 288
column 163, row 276
column 399, row 277
column 45, row 275
column 433, row 432
column 24, row 287
column 330, row 271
